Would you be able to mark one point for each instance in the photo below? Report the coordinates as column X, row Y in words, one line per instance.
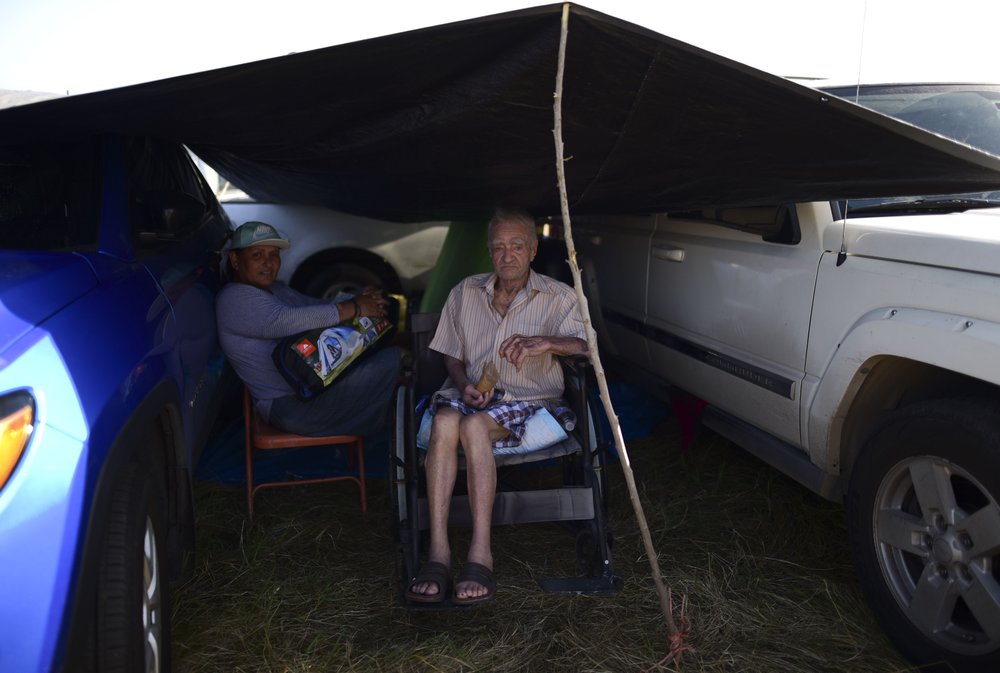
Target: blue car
column 110, row 379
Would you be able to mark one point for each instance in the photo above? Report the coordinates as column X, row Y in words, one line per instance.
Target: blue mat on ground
column 222, row 459
column 638, row 412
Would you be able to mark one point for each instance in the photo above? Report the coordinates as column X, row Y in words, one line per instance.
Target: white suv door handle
column 669, row 253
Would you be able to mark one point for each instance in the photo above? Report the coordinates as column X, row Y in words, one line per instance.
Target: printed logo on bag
column 305, row 348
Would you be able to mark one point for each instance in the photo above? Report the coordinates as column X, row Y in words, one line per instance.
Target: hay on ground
column 312, row 586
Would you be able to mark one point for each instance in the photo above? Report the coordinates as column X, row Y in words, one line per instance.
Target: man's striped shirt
column 471, row 330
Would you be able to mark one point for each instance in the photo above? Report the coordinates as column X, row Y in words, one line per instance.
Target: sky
column 74, row 46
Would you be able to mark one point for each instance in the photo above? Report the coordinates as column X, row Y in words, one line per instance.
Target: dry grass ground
column 310, row 586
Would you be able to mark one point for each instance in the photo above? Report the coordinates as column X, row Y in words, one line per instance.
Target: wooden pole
column 675, row 637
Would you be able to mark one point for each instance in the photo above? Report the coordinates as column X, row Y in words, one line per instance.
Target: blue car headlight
column 17, row 420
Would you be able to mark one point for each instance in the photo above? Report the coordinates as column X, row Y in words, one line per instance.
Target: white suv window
column 775, row 224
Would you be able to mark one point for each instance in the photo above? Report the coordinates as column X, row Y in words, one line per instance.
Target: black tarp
column 443, row 122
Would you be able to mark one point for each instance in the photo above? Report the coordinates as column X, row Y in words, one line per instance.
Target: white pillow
column 540, row 431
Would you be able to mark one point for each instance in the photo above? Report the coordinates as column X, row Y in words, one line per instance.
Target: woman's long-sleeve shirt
column 252, row 320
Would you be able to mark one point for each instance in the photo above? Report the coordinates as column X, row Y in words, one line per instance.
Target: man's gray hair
column 510, row 214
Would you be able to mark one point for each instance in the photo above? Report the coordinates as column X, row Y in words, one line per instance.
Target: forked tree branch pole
column 595, row 357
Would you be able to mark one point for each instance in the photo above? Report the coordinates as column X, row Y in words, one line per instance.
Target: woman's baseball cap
column 254, row 233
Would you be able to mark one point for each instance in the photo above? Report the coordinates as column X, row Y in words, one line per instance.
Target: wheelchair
column 578, row 502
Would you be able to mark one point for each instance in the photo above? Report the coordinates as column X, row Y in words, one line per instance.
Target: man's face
column 512, row 247
column 257, row 265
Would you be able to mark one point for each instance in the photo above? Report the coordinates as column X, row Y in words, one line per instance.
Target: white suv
column 855, row 346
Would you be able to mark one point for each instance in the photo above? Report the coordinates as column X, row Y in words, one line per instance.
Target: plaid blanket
column 511, row 416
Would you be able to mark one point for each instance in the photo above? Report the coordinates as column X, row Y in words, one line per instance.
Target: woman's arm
column 252, row 312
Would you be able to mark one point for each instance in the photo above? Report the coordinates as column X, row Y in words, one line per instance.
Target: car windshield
column 968, row 113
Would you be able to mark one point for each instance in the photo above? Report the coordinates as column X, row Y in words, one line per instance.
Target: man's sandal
column 435, row 572
column 481, row 575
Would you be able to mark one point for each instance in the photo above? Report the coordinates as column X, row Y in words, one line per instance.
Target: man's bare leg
column 441, row 467
column 477, row 433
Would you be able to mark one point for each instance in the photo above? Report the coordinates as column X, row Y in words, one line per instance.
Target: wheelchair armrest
column 575, row 370
column 578, row 360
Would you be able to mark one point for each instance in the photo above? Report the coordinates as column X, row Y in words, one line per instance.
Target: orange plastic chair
column 261, row 436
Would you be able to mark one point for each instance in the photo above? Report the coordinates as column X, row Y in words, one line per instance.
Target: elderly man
column 254, row 311
column 519, row 321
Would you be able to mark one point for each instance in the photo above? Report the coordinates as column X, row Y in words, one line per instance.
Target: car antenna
column 842, row 255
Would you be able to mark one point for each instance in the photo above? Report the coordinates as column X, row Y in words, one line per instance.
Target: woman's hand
column 371, row 303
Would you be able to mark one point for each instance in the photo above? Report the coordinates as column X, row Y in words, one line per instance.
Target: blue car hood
column 33, row 286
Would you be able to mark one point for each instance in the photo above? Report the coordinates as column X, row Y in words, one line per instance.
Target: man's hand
column 470, row 395
column 476, row 399
column 518, row 347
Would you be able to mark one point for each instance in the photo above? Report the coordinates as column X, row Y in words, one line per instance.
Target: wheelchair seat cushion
column 541, row 431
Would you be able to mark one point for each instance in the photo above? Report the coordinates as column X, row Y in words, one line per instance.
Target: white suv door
column 730, row 294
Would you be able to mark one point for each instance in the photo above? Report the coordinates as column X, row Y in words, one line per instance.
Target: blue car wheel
column 133, row 622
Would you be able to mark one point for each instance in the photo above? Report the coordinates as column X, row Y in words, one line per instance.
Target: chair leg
column 248, row 448
column 249, row 482
column 355, row 450
column 359, row 446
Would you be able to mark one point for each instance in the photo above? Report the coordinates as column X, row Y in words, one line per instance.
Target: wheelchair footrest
column 605, row 584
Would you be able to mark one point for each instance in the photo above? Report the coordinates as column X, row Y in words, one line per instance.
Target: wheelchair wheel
column 399, row 497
